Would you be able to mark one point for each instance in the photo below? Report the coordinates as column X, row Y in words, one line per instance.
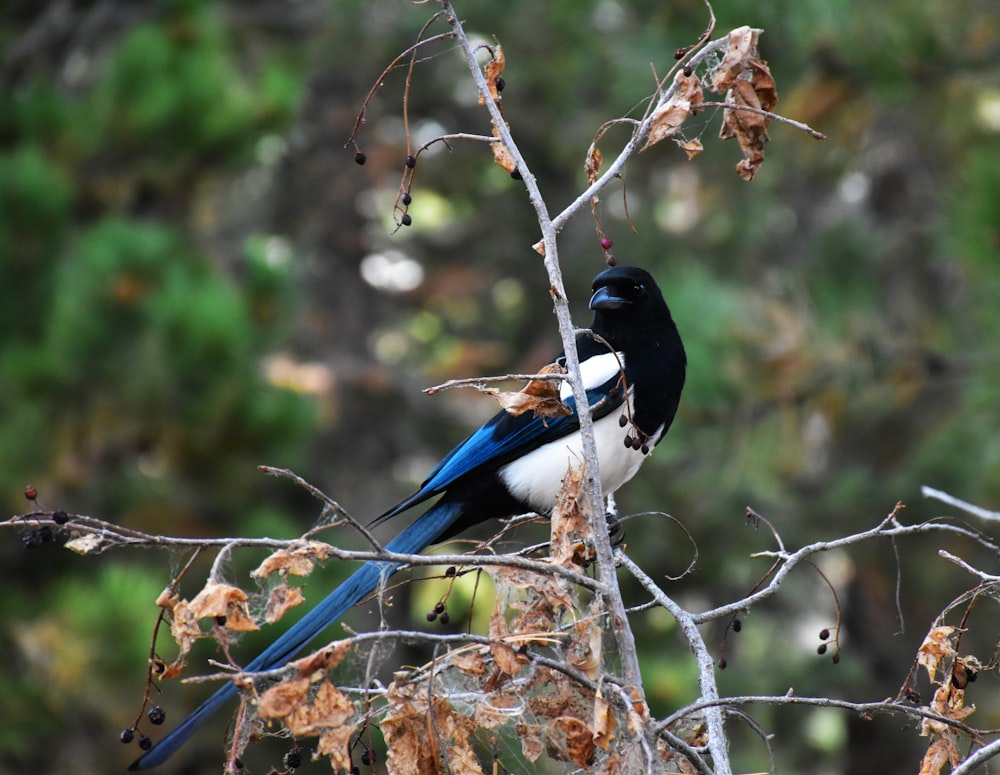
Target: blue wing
column 506, row 437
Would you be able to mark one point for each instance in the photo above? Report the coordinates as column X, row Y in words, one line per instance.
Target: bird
column 633, row 366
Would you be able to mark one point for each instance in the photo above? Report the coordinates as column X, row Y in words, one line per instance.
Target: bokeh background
column 197, row 279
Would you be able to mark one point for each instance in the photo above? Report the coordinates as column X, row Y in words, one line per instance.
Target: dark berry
column 31, row 540
column 406, row 199
column 293, row 759
column 451, row 571
column 679, row 53
column 359, row 157
column 445, row 618
column 439, row 608
column 606, row 243
column 355, row 770
column 687, row 71
column 500, row 83
column 622, row 421
column 411, row 161
column 722, row 664
column 145, row 743
column 406, row 220
column 157, row 715
column 366, row 757
column 60, row 517
column 737, row 625
column 821, row 648
column 30, row 492
column 644, row 449
column 516, row 175
column 836, row 659
column 128, row 735
column 431, row 616
column 824, row 634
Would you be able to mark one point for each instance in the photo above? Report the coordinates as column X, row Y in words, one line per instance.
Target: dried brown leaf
column 282, row 598
column 584, row 650
column 325, row 659
column 604, row 723
column 215, row 600
column 937, row 646
column 571, row 740
column 424, row 740
column 758, row 92
column 741, row 47
column 532, row 743
column 691, row 147
column 501, row 154
column 667, row 118
column 572, row 538
column 282, row 698
column 939, row 752
column 494, row 69
column 299, row 560
column 593, row 164
column 469, row 662
column 540, row 396
column 504, row 657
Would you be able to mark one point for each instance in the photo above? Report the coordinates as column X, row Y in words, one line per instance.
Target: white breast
column 536, row 477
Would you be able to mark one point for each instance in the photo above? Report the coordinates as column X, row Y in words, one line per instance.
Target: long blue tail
column 414, row 539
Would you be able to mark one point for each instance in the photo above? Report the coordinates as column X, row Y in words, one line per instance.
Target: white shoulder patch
column 595, row 372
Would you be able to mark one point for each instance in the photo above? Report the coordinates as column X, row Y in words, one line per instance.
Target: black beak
column 604, row 298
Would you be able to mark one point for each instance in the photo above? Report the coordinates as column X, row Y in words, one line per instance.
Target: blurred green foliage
column 183, row 238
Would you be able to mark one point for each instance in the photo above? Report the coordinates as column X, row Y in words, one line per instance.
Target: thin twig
column 761, row 112
column 476, row 381
column 968, row 508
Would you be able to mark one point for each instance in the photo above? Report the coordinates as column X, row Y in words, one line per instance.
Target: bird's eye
column 640, row 288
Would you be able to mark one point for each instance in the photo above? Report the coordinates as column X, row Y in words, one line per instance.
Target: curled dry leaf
column 427, row 735
column 604, row 723
column 325, row 659
column 85, row 544
column 584, row 650
column 469, row 661
column 950, row 703
column 748, row 127
column 215, row 600
column 501, row 154
column 741, row 47
column 327, row 714
column 282, row 597
column 493, row 71
column 667, row 118
column 572, row 740
column 298, row 560
column 540, row 396
column 572, row 538
column 593, row 164
column 505, row 658
column 691, row 147
column 937, row 647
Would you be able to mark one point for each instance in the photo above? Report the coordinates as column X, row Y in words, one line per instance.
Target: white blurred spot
column 391, row 271
column 988, row 110
column 854, row 187
column 608, row 16
column 277, row 252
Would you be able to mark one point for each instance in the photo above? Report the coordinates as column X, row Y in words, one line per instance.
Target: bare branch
column 968, row 508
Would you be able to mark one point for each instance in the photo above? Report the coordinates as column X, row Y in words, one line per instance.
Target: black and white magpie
column 633, row 368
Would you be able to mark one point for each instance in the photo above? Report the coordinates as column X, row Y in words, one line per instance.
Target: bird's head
column 626, row 288
column 627, row 304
